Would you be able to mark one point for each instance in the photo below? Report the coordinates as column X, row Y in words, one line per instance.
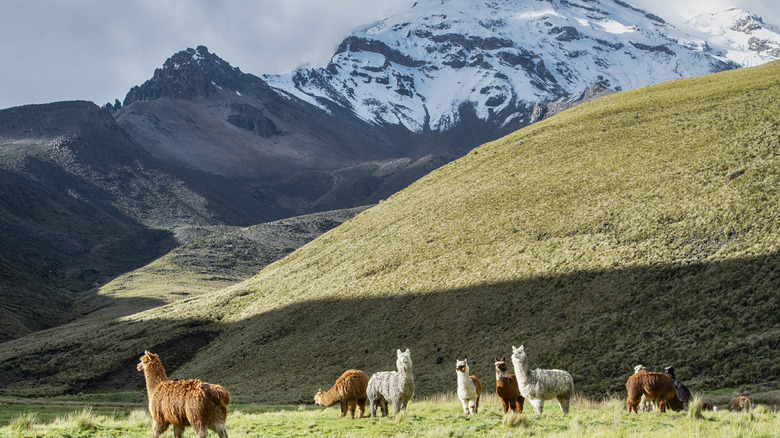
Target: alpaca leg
column 505, row 405
column 661, row 406
column 373, row 403
column 361, row 406
column 512, row 405
column 352, row 405
column 158, row 427
column 538, row 406
column 472, row 407
column 343, row 409
column 178, row 430
column 476, row 405
column 385, row 409
column 465, row 404
column 564, row 403
column 520, row 403
column 221, row 430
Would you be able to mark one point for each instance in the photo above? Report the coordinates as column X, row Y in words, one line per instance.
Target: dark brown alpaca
column 349, row 390
column 507, row 388
column 183, row 403
column 655, row 386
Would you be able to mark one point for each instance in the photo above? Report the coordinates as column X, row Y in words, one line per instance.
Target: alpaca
column 646, row 404
column 469, row 387
column 708, row 407
column 656, row 386
column 540, row 385
column 739, row 404
column 349, row 390
column 507, row 389
column 183, row 403
column 682, row 392
column 396, row 387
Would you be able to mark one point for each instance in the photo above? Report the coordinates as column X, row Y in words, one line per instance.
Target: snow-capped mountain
column 739, row 36
column 440, row 61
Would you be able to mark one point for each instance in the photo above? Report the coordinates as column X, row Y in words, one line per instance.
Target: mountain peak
column 739, row 35
column 189, row 73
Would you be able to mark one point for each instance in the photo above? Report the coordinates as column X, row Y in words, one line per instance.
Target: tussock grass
column 432, row 417
column 643, row 227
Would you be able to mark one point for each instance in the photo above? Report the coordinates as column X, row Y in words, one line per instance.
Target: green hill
column 643, row 227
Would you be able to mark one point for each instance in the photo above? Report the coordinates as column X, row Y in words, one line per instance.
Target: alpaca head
column 518, row 354
column 501, row 369
column 146, row 360
column 639, row 368
column 669, row 371
column 318, row 397
column 404, row 360
column 462, row 366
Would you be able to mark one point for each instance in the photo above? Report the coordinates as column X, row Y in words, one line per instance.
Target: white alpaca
column 540, row 385
column 469, row 387
column 646, row 404
column 396, row 387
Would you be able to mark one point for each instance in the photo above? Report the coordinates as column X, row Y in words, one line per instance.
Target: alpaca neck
column 522, row 371
column 501, row 375
column 463, row 379
column 329, row 398
column 406, row 376
column 154, row 375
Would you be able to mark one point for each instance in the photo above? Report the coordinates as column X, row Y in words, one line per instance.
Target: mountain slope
column 640, row 227
column 274, row 154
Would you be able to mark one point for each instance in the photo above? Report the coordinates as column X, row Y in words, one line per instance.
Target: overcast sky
column 96, row 50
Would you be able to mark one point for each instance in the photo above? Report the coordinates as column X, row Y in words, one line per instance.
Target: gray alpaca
column 540, row 385
column 396, row 387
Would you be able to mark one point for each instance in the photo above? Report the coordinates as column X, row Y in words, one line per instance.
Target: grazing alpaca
column 183, row 403
column 469, row 387
column 507, row 389
column 682, row 392
column 656, row 386
column 396, row 387
column 645, row 405
column 540, row 385
column 707, row 407
column 349, row 390
column 739, row 404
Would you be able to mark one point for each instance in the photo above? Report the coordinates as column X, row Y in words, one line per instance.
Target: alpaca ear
column 398, row 352
column 146, row 352
column 408, row 352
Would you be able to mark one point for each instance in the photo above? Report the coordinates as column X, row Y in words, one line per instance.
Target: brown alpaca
column 183, row 403
column 349, row 390
column 655, row 386
column 739, row 404
column 507, row 388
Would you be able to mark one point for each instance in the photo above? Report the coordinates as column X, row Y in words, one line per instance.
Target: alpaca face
column 318, row 397
column 501, row 368
column 145, row 360
column 404, row 359
column 639, row 368
column 461, row 366
column 518, row 354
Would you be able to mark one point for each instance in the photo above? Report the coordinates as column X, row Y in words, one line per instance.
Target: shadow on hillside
column 717, row 323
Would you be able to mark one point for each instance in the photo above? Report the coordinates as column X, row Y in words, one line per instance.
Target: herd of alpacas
column 182, row 403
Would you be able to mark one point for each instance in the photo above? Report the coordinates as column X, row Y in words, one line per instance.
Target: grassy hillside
column 639, row 228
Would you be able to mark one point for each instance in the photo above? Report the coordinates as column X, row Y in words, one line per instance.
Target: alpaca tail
column 218, row 394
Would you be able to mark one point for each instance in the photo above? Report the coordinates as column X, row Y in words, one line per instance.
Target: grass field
column 438, row 416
